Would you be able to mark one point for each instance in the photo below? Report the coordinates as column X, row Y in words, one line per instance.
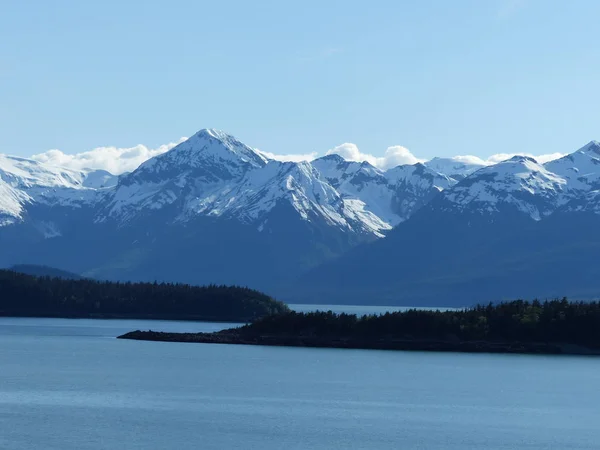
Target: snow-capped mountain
column 303, row 188
column 414, row 187
column 208, row 164
column 393, row 195
column 215, row 175
column 580, row 169
column 213, row 209
column 25, row 182
column 516, row 229
column 99, row 179
column 212, row 174
column 11, row 204
column 213, row 194
column 519, row 183
column 360, row 185
column 534, row 189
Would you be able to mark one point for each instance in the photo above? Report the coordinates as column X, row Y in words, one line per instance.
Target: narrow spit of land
column 553, row 327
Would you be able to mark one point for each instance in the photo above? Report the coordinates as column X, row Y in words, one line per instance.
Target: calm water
column 68, row 384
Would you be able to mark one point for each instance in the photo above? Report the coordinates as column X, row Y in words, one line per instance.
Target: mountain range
column 214, row 210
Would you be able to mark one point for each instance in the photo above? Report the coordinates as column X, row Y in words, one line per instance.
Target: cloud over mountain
column 118, row 160
column 494, row 159
column 112, row 159
column 393, row 156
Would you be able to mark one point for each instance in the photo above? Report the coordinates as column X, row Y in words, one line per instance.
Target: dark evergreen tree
column 27, row 295
column 557, row 321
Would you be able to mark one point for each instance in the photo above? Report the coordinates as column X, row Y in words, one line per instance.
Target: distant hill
column 45, row 271
column 32, row 296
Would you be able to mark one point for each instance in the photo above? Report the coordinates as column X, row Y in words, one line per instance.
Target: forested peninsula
column 25, row 295
column 552, row 327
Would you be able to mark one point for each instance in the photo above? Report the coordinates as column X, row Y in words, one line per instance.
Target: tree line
column 27, row 295
column 557, row 321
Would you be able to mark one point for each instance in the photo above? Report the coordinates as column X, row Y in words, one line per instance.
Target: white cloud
column 393, row 156
column 114, row 160
column 470, row 159
column 539, row 158
column 549, row 157
column 398, row 155
column 119, row 160
column 494, row 159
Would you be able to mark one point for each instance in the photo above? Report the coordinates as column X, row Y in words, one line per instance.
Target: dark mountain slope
column 464, row 265
column 500, row 233
column 45, row 271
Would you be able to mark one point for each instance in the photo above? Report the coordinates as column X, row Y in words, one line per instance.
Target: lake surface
column 68, row 384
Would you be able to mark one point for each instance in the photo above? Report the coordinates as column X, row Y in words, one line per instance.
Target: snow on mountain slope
column 420, row 176
column 452, row 167
column 393, row 195
column 200, row 170
column 11, row 204
column 520, row 183
column 360, row 183
column 296, row 183
column 98, row 179
column 589, row 202
column 414, row 186
column 209, row 155
column 23, row 173
column 25, row 182
column 337, row 171
column 301, row 185
column 581, row 169
column 214, row 174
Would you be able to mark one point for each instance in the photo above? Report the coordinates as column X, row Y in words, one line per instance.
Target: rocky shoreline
column 239, row 338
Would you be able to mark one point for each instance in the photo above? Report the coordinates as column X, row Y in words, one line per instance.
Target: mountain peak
column 581, row 168
column 367, row 164
column 334, row 157
column 214, row 152
column 592, row 147
column 522, row 159
column 214, row 134
column 519, row 182
column 518, row 167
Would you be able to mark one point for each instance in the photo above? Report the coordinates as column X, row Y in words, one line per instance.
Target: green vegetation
column 517, row 327
column 27, row 295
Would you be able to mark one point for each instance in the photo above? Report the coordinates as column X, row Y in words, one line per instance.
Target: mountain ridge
column 213, row 209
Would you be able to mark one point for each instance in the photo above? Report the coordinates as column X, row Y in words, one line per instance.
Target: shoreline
column 236, row 338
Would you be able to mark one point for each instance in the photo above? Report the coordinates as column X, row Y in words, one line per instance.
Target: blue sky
column 441, row 78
